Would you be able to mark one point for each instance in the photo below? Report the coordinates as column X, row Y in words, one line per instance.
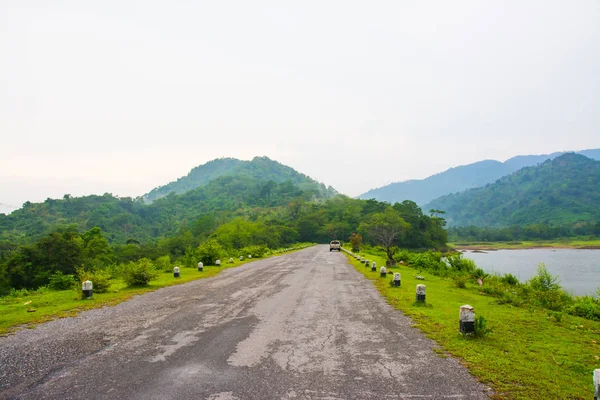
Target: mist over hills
column 461, row 178
column 562, row 190
column 262, row 168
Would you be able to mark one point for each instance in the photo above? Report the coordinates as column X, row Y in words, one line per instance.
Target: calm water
column 577, row 270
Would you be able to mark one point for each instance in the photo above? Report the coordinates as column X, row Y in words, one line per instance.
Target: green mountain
column 246, row 190
column 460, row 178
column 261, row 168
column 563, row 190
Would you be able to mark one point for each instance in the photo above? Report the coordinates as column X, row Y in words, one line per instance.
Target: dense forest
column 564, row 191
column 231, row 215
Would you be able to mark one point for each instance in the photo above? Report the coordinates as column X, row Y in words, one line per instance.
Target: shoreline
column 493, row 246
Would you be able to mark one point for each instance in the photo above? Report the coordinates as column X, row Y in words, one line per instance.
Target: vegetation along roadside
column 26, row 308
column 530, row 347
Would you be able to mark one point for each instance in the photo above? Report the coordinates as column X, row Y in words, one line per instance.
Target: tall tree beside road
column 386, row 228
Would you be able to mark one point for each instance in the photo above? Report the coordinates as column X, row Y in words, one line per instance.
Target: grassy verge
column 556, row 244
column 530, row 353
column 25, row 311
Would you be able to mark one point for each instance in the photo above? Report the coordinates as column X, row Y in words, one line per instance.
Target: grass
column 557, row 244
column 26, row 311
column 530, row 353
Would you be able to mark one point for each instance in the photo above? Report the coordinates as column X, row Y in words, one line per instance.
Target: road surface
column 304, row 325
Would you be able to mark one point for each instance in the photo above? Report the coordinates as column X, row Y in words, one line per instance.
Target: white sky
column 122, row 96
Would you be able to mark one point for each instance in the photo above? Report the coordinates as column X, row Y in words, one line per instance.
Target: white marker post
column 421, row 291
column 218, row 262
column 230, row 260
column 200, row 266
column 249, row 255
column 467, row 319
column 397, row 279
column 382, row 272
column 362, row 259
column 86, row 289
column 241, row 258
column 596, row 384
column 176, row 272
column 373, row 265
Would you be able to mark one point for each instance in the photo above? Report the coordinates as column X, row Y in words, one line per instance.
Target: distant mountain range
column 261, row 168
column 460, row 178
column 562, row 190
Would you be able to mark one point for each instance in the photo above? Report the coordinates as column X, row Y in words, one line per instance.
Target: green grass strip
column 530, row 353
column 38, row 307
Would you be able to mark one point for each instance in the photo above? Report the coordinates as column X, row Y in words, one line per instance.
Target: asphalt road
column 304, row 325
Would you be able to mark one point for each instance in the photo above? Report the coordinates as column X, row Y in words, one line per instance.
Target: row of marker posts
column 466, row 313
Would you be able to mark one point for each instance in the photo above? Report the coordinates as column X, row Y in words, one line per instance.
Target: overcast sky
column 122, row 96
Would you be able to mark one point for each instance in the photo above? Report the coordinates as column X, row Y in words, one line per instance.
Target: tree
column 386, row 228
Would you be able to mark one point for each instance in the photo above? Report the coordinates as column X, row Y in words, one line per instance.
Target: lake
column 577, row 270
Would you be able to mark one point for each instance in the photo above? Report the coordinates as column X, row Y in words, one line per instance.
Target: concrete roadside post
column 176, row 272
column 241, row 258
column 373, row 265
column 362, row 259
column 596, row 384
column 200, row 266
column 467, row 319
column 397, row 279
column 382, row 272
column 249, row 255
column 218, row 262
column 231, row 260
column 373, row 268
column 421, row 289
column 86, row 289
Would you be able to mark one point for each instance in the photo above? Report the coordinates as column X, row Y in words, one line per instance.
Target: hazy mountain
column 563, row 190
column 247, row 188
column 261, row 168
column 460, row 178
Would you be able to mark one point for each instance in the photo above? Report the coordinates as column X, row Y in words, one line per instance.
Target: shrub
column 478, row 273
column 257, row 251
column 509, row 279
column 543, row 280
column 586, row 307
column 481, row 328
column 100, row 280
column 138, row 273
column 163, row 263
column 460, row 281
column 59, row 281
column 210, row 251
column 458, row 263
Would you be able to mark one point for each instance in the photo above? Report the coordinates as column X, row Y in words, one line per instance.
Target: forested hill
column 460, row 178
column 123, row 219
column 565, row 190
column 261, row 168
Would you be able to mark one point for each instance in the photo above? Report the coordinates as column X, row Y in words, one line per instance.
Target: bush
column 460, row 281
column 59, row 281
column 210, row 251
column 543, row 280
column 256, row 251
column 481, row 328
column 509, row 279
column 164, row 263
column 586, row 307
column 458, row 263
column 139, row 273
column 100, row 280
